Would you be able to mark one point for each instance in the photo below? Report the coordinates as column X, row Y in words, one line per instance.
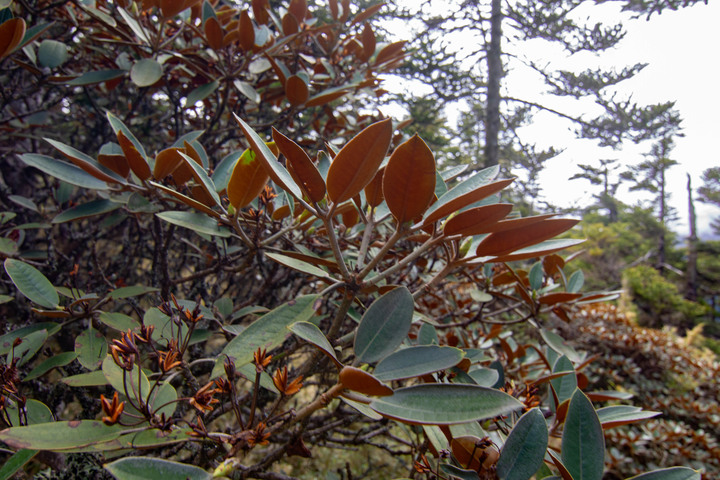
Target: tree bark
column 495, row 74
column 691, row 285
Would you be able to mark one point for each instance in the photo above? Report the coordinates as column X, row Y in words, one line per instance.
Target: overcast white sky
column 681, row 48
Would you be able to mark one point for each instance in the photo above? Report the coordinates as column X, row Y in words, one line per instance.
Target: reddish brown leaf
column 116, row 163
column 472, row 453
column 186, row 200
column 467, row 199
column 260, row 11
column 390, row 52
column 362, row 382
column 11, row 34
column 166, row 161
column 170, row 8
column 248, row 179
column 373, row 190
column 281, row 212
column 514, row 257
column 298, row 8
column 505, row 242
column 137, row 163
column 358, row 161
column 325, row 97
column 296, row 90
column 345, row 10
column 183, row 172
column 290, row 24
column 214, row 33
column 333, row 9
column 367, row 13
column 367, row 38
column 564, row 473
column 247, row 30
column 202, row 196
column 553, row 265
column 560, row 297
column 301, row 168
column 409, row 180
column 513, row 223
column 476, row 220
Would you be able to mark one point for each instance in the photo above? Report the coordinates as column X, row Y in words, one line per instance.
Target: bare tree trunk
column 495, row 74
column 692, row 273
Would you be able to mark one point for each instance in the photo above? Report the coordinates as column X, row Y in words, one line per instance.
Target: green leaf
column 564, row 386
column 92, row 208
column 90, row 78
column 59, row 435
column 617, row 415
column 90, row 379
column 583, row 443
column 479, row 179
column 247, row 90
column 118, row 126
column 576, row 281
column 202, row 177
column 457, row 472
column 672, row 473
column 134, row 26
column 63, row 171
column 87, row 160
column 6, row 341
column 132, row 291
column 29, row 346
column 312, row 334
column 416, row 361
column 147, row 468
column 164, row 327
column 557, row 343
column 536, row 276
column 384, row 325
column 524, row 450
column 487, row 377
column 136, row 381
column 278, row 173
column 222, row 172
column 197, row 222
column 146, row 72
column 163, row 400
column 297, row 264
column 118, row 321
column 91, row 348
column 31, row 283
column 59, row 360
column 36, row 412
column 445, row 404
column 16, row 462
column 52, row 53
column 201, row 92
column 269, row 331
column 427, row 335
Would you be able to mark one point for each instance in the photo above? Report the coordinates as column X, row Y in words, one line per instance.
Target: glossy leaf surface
column 384, row 325
column 59, row 435
column 445, row 404
column 672, row 473
column 32, row 283
column 416, row 361
column 524, row 450
column 583, row 443
column 269, row 331
column 150, row 468
column 197, row 222
column 63, row 171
